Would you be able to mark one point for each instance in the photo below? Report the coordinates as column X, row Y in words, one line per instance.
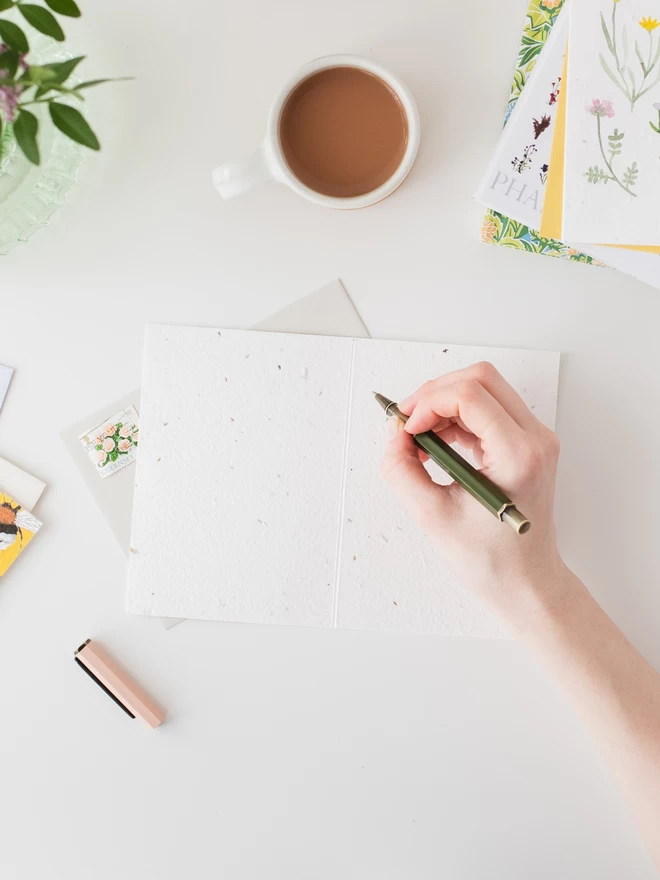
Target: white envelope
column 5, row 378
column 20, row 485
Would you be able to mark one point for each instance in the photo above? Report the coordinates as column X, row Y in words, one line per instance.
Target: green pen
column 472, row 480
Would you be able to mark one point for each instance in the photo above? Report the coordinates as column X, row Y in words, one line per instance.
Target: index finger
column 502, row 438
column 492, row 380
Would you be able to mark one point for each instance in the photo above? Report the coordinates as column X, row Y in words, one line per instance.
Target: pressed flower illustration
column 543, row 173
column 523, row 164
column 604, row 110
column 540, row 125
column 554, row 93
column 601, row 108
column 633, row 76
column 656, row 128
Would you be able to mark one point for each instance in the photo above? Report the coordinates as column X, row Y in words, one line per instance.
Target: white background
column 301, row 753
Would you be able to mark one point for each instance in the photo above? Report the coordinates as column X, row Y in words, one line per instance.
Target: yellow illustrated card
column 17, row 528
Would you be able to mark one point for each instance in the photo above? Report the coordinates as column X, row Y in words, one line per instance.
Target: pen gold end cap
column 514, row 518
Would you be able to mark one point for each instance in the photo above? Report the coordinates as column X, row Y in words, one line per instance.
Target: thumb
column 402, row 469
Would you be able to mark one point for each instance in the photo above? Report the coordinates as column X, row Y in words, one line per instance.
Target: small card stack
column 17, row 528
column 578, row 160
column 17, row 524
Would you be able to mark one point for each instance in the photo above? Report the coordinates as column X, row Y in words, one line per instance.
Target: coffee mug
column 343, row 132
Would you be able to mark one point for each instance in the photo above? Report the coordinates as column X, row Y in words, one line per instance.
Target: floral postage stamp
column 112, row 445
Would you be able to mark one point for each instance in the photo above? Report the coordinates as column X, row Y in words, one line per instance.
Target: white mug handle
column 236, row 178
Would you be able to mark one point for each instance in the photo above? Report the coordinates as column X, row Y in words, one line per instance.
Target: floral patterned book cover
column 496, row 228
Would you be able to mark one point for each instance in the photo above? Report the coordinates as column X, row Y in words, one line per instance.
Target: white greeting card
column 514, row 183
column 258, row 495
column 612, row 177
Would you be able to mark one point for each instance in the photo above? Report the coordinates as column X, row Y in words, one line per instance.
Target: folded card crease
column 342, row 505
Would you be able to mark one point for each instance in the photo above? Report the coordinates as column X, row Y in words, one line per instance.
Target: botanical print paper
column 498, row 228
column 17, row 528
column 5, row 378
column 258, row 496
column 515, row 180
column 112, row 445
column 612, row 176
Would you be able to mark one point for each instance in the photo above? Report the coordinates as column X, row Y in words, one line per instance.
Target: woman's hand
column 522, row 576
column 476, row 408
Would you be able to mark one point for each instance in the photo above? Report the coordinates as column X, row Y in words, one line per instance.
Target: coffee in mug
column 344, row 132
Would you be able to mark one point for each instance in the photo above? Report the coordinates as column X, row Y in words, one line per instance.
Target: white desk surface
column 293, row 753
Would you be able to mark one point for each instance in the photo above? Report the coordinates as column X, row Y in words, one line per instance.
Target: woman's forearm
column 613, row 687
column 524, row 579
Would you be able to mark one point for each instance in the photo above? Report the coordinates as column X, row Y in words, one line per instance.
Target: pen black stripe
column 103, row 687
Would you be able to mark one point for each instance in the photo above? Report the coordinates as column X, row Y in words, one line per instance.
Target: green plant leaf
column 5, row 4
column 613, row 77
column 43, row 90
column 74, row 125
column 41, row 19
column 62, row 70
column 37, row 75
column 95, row 82
column 54, row 87
column 64, row 7
column 640, row 59
column 648, row 88
column 608, row 39
column 656, row 57
column 597, row 175
column 630, row 177
column 9, row 62
column 26, row 126
column 13, row 36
